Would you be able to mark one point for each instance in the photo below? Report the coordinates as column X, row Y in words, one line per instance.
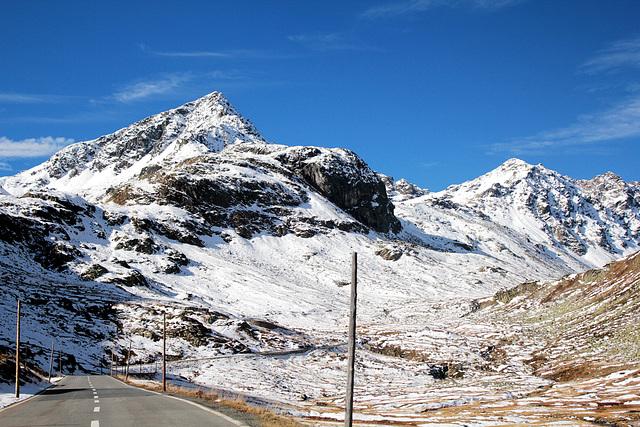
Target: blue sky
column 434, row 91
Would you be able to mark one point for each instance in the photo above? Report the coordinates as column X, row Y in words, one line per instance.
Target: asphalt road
column 95, row 401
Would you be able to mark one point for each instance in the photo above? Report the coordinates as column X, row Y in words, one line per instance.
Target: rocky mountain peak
column 214, row 122
column 204, row 125
column 612, row 192
column 402, row 189
column 604, row 184
column 504, row 179
column 513, row 171
column 515, row 164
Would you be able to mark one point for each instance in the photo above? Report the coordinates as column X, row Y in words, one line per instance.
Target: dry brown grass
column 265, row 417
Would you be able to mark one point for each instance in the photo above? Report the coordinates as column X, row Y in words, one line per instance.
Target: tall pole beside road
column 126, row 375
column 351, row 349
column 164, row 351
column 18, row 354
column 51, row 361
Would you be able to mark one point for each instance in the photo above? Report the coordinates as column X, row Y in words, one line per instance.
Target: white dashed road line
column 94, row 423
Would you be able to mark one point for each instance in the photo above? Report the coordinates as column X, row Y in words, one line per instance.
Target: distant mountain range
column 193, row 210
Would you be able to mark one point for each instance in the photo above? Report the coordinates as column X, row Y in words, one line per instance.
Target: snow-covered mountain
column 247, row 244
column 591, row 222
column 88, row 168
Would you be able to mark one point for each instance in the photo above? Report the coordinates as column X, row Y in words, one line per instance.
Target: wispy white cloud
column 23, row 98
column 194, row 54
column 330, row 41
column 621, row 121
column 592, row 131
column 32, row 147
column 430, row 165
column 407, row 7
column 401, row 8
column 74, row 118
column 18, row 98
column 224, row 54
column 623, row 53
column 145, row 88
column 493, row 4
column 168, row 84
column 257, row 54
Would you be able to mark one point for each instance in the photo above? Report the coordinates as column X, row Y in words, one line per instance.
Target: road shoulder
column 239, row 418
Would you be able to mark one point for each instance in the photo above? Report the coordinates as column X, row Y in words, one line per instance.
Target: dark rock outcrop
column 347, row 181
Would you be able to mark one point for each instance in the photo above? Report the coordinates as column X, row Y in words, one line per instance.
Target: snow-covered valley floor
column 489, row 380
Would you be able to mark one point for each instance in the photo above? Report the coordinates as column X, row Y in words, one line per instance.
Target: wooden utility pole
column 164, row 351
column 51, row 361
column 126, row 376
column 351, row 349
column 112, row 358
column 18, row 354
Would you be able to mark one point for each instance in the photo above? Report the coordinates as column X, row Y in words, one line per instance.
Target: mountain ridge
column 599, row 215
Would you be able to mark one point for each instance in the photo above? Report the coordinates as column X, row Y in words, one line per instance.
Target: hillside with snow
column 247, row 244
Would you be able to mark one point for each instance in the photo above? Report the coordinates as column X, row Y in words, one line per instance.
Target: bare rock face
column 40, row 226
column 347, row 181
column 610, row 193
column 258, row 188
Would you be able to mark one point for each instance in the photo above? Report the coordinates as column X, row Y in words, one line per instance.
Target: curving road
column 94, row 401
